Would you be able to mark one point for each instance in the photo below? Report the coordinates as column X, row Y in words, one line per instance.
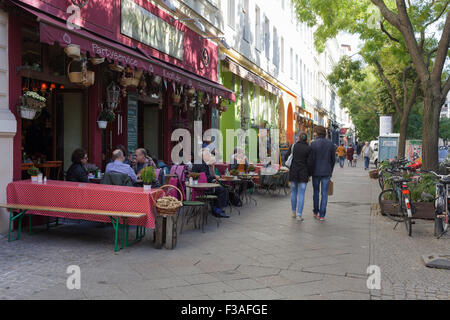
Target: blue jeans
column 341, row 161
column 366, row 162
column 320, row 185
column 298, row 196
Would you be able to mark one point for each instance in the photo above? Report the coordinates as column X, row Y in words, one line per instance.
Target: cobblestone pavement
column 260, row 254
column 403, row 272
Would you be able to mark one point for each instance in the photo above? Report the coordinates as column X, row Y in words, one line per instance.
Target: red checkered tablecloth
column 85, row 196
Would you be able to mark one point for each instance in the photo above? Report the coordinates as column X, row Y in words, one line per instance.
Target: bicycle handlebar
column 440, row 176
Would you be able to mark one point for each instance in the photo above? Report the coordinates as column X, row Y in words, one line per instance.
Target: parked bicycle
column 441, row 205
column 397, row 166
column 395, row 202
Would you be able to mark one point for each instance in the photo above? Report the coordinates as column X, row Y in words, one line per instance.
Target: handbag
column 330, row 188
column 288, row 162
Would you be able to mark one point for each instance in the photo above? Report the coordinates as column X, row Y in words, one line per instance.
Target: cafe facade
column 152, row 72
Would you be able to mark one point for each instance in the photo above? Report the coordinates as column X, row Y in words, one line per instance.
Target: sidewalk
column 261, row 254
column 403, row 272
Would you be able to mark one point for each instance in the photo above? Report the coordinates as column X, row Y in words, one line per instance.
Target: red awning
column 53, row 30
column 343, row 131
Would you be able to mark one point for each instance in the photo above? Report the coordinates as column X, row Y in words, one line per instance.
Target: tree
column 402, row 86
column 403, row 24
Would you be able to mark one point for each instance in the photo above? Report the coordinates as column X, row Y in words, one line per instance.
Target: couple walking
column 316, row 161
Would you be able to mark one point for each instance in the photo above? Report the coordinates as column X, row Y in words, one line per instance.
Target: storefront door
column 150, row 130
column 73, row 125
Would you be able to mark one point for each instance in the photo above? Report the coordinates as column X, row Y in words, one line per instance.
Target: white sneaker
column 300, row 218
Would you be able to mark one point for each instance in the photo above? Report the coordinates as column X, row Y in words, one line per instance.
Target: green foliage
column 148, row 175
column 444, row 128
column 427, row 185
column 33, row 171
column 234, row 172
column 107, row 115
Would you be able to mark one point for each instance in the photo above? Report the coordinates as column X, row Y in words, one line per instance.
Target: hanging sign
column 143, row 26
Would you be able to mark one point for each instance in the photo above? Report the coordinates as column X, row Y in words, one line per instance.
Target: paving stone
column 262, row 294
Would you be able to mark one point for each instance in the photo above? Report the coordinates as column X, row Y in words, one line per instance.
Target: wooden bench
column 21, row 211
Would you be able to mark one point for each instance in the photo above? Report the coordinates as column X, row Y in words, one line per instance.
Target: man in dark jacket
column 324, row 155
column 299, row 173
column 220, row 191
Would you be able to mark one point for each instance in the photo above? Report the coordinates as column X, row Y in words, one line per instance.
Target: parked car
column 374, row 145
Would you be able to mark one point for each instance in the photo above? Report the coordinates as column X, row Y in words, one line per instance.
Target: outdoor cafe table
column 65, row 194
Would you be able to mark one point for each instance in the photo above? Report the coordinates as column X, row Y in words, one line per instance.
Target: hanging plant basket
column 102, row 124
column 27, row 113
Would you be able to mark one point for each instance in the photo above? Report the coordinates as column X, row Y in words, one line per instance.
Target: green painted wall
column 259, row 104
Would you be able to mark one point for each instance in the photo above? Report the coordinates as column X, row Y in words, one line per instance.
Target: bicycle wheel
column 381, row 180
column 390, row 205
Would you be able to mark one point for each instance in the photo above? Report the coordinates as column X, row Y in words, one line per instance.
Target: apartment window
column 257, row 28
column 246, row 33
column 296, row 68
column 300, row 71
column 292, row 63
column 231, row 13
column 282, row 4
column 275, row 48
column 282, row 54
column 267, row 37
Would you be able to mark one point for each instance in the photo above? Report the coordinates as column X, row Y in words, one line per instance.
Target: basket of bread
column 169, row 205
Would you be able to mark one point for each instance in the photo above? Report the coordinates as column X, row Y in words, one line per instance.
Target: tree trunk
column 430, row 129
column 403, row 133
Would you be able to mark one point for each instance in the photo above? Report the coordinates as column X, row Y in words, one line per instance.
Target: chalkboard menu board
column 132, row 123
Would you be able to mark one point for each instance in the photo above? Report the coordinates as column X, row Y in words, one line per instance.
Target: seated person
column 77, row 172
column 220, row 191
column 142, row 160
column 127, row 157
column 239, row 160
column 119, row 166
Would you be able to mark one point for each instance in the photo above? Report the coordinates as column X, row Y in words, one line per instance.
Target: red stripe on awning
column 52, row 30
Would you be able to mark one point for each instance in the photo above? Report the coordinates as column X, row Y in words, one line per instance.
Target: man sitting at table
column 220, row 191
column 118, row 166
column 142, row 160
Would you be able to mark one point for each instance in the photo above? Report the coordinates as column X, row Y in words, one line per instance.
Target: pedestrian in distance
column 341, row 153
column 350, row 152
column 299, row 174
column 367, row 154
column 324, row 159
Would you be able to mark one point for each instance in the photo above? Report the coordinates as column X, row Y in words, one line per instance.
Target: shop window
column 57, row 61
column 32, row 49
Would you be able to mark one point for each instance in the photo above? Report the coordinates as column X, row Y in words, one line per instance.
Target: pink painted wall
column 103, row 18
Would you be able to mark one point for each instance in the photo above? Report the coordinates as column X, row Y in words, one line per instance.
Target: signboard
column 385, row 125
column 145, row 27
column 132, row 123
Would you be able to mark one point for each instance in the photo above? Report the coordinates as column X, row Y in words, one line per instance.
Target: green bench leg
column 11, row 220
column 115, row 223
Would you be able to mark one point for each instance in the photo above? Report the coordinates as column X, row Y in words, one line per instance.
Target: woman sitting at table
column 77, row 172
column 239, row 160
column 220, row 191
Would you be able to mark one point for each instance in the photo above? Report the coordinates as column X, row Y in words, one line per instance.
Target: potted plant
column 234, row 172
column 31, row 103
column 148, row 175
column 251, row 168
column 33, row 172
column 107, row 115
column 195, row 176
